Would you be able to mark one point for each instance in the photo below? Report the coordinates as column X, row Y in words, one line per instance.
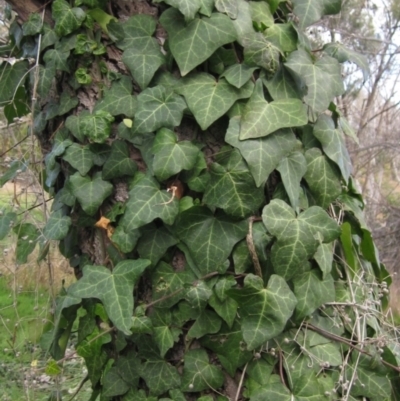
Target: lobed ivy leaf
column 45, row 81
column 33, row 26
column 261, row 118
column 322, row 178
column 90, row 192
column 195, row 42
column 160, row 376
column 158, row 107
column 28, row 235
column 324, row 257
column 243, row 23
column 198, row 373
column 125, row 241
column 113, row 288
column 171, row 156
column 333, row 144
column 146, row 203
column 264, row 311
column 7, row 220
column 119, row 163
column 283, row 36
column 113, row 384
column 228, row 7
column 261, row 14
column 79, row 157
column 67, row 19
column 209, row 238
column 188, row 8
column 118, row 99
column 207, row 323
column 11, row 77
column 57, row 59
column 238, row 74
column 310, row 11
column 57, row 226
column 322, row 77
column 96, row 126
column 232, row 187
column 282, row 85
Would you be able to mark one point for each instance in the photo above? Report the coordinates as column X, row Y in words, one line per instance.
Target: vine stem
column 252, row 248
column 241, row 382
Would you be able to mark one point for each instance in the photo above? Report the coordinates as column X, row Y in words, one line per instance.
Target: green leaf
column 324, row 258
column 113, row 384
column 90, row 193
column 282, row 85
column 136, row 27
column 67, row 19
column 210, row 238
column 118, row 99
column 57, row 59
column 232, row 187
column 310, row 11
column 261, row 14
column 198, row 373
column 208, row 99
column 46, row 76
column 207, row 323
column 264, row 311
column 96, row 126
column 119, row 163
column 292, row 169
column 33, row 26
column 11, row 76
column 322, row 77
column 16, row 167
column 243, row 23
column 296, row 237
column 258, row 51
column 283, row 36
column 312, row 292
column 238, row 74
column 343, row 54
column 198, row 295
column 125, row 241
column 114, row 289
column 146, row 203
column 28, row 236
column 333, row 144
column 195, row 42
column 322, row 177
column 188, row 8
column 57, row 226
column 52, row 368
column 7, row 220
column 263, row 154
column 171, row 156
column 226, row 309
column 19, row 106
column 160, row 376
column 228, row 7
column 261, row 118
column 79, row 157
column 158, row 107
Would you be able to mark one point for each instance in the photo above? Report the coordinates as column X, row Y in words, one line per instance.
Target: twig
column 241, row 382
column 282, row 376
column 14, row 146
column 86, row 378
column 252, row 249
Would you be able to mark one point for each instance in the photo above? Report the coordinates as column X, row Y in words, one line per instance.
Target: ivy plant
column 203, row 194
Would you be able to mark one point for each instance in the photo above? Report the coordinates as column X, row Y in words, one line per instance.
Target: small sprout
column 191, row 386
column 257, row 355
column 286, row 341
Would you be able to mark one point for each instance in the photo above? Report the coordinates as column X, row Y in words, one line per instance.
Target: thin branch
column 252, row 248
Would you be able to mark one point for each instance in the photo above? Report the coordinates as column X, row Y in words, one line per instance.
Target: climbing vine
column 203, row 194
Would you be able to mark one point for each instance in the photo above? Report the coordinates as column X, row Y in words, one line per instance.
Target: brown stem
column 252, row 248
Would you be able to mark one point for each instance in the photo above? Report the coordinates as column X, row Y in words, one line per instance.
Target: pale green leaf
column 209, row 99
column 263, row 154
column 232, row 187
column 282, row 85
column 146, row 203
column 264, row 311
column 283, row 36
column 57, row 226
column 322, row 77
column 261, row 14
column 328, row 353
column 228, row 7
column 198, row 295
column 333, row 144
column 28, row 235
column 79, row 157
column 261, row 118
column 188, row 8
column 136, row 27
column 113, row 288
column 160, row 376
column 96, row 126
column 67, row 19
column 119, row 163
column 243, row 23
column 90, row 192
column 198, row 373
column 324, row 258
column 7, row 221
column 238, row 74
column 195, row 42
column 158, row 107
column 210, row 238
column 310, row 11
column 171, row 156
column 322, row 177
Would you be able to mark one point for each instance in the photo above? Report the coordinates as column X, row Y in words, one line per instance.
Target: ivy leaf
column 207, row 323
column 198, row 373
column 113, row 384
column 198, row 295
column 160, row 376
column 297, row 237
column 11, row 77
column 137, row 26
column 343, row 54
column 46, row 76
column 28, row 235
column 96, row 126
column 16, row 167
column 210, row 238
column 208, row 99
column 232, row 187
column 264, row 311
column 119, row 163
column 79, row 157
column 164, row 333
column 243, row 23
column 90, row 193
column 67, row 19
column 57, row 59
column 261, row 118
column 261, row 52
column 118, row 99
column 125, row 241
column 333, row 144
column 292, row 169
column 310, row 11
column 324, row 258
column 261, row 14
column 33, row 26
column 283, row 36
column 57, row 226
column 171, row 156
column 146, row 203
column 322, row 77
column 7, row 220
column 238, row 74
column 263, row 154
column 114, row 289
column 158, row 107
column 195, row 42
column 228, row 7
column 322, row 178
column 312, row 292
column 282, row 86
column 188, row 8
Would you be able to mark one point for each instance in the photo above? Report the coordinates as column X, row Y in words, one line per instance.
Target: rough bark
column 25, row 7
